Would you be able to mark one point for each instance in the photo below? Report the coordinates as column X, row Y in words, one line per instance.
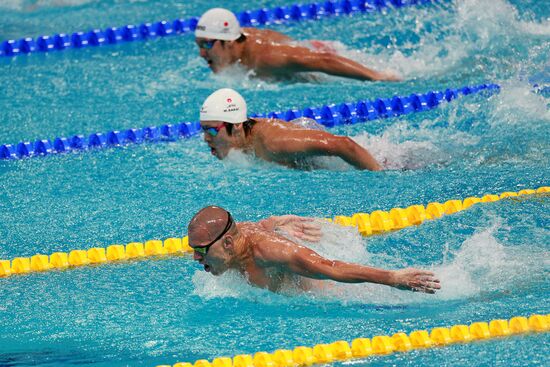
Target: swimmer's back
column 265, row 35
column 273, row 141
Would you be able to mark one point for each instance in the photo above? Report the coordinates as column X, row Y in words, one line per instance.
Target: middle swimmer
column 226, row 126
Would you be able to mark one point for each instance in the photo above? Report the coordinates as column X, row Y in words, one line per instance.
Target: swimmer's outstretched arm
column 306, row 262
column 316, row 143
column 303, row 59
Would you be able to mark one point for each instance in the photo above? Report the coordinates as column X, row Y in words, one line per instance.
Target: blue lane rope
column 327, row 115
column 146, row 31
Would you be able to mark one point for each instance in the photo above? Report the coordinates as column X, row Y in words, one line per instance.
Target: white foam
column 401, row 146
column 481, row 266
column 228, row 285
column 338, row 243
column 493, row 18
column 516, row 104
column 239, row 159
column 30, row 6
column 400, row 155
column 237, row 76
column 471, row 28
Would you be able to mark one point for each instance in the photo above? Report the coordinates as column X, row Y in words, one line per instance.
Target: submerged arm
column 312, row 142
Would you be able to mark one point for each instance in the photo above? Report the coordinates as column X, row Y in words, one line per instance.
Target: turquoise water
column 492, row 259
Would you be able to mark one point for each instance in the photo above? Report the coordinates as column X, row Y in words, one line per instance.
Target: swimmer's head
column 218, row 24
column 212, row 233
column 222, row 118
column 215, row 33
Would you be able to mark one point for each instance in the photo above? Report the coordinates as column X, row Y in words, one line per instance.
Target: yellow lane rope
column 397, row 218
column 367, row 224
column 380, row 345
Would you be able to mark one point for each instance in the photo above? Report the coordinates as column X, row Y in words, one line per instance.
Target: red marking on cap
column 229, row 100
column 225, row 24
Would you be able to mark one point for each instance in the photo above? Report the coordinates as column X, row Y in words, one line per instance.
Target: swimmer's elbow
column 356, row 155
column 348, row 146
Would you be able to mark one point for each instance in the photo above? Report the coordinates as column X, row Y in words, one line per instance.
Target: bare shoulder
column 270, row 132
column 266, row 35
column 268, row 246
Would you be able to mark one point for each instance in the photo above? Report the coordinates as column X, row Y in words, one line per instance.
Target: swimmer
column 269, row 260
column 226, row 126
column 222, row 42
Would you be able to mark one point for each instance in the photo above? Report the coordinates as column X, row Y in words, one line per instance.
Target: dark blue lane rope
column 146, row 31
column 327, row 115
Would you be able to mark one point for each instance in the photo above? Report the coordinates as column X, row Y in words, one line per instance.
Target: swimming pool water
column 492, row 259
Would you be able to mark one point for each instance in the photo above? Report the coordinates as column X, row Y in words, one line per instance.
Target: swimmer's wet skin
column 224, row 120
column 269, row 260
column 222, row 42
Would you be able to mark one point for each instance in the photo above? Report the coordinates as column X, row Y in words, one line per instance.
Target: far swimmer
column 269, row 260
column 222, row 42
column 226, row 126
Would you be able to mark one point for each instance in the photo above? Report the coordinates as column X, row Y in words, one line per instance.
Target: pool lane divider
column 362, row 348
column 374, row 223
column 153, row 30
column 328, row 115
column 380, row 221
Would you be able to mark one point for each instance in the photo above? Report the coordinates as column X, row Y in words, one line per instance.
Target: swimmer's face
column 217, row 53
column 217, row 138
column 216, row 259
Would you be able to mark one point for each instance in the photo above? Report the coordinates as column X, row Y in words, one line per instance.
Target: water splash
column 518, row 107
column 402, row 146
column 466, row 32
column 35, row 5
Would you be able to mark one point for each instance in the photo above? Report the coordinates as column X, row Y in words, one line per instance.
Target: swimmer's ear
column 238, row 129
column 228, row 243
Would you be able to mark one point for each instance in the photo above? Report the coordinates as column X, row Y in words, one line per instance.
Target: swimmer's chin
column 214, row 272
column 216, row 153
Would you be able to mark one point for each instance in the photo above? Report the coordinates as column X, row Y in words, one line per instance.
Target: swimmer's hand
column 391, row 77
column 415, row 280
column 303, row 228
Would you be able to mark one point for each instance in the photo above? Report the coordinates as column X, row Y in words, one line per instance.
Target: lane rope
column 374, row 223
column 153, row 30
column 362, row 348
column 328, row 115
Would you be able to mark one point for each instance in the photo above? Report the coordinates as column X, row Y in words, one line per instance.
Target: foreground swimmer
column 269, row 260
column 226, row 126
column 222, row 42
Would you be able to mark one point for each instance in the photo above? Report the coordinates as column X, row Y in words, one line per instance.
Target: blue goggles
column 214, row 130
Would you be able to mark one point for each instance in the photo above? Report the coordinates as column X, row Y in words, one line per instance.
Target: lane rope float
column 328, row 115
column 152, row 30
column 362, row 348
column 376, row 222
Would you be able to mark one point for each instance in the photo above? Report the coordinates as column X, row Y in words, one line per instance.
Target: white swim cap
column 224, row 105
column 218, row 24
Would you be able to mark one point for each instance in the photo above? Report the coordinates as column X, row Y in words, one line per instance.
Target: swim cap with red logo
column 218, row 24
column 224, row 105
